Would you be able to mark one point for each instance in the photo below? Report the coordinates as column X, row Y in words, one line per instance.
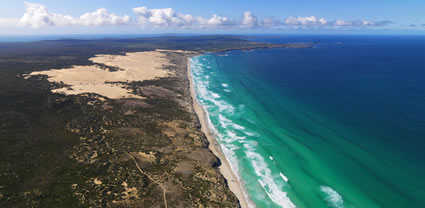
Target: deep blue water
column 338, row 125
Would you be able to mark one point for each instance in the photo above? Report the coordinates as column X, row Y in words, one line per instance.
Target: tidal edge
column 233, row 181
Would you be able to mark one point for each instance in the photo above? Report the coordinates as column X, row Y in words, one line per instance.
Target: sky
column 212, row 16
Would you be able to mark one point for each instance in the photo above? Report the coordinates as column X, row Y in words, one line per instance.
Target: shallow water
column 338, row 125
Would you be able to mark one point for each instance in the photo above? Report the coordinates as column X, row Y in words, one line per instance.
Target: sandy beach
column 234, row 184
column 94, row 79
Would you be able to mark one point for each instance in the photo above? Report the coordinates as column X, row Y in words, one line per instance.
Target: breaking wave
column 235, row 139
column 332, row 197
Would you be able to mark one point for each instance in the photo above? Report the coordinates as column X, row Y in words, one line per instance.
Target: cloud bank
column 38, row 16
column 168, row 17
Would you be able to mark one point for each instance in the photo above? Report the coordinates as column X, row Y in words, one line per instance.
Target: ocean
column 341, row 124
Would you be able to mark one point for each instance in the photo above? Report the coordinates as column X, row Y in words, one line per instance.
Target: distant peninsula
column 108, row 123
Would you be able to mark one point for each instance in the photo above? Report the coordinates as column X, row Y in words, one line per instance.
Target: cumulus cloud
column 315, row 21
column 342, row 23
column 216, row 21
column 168, row 17
column 38, row 16
column 249, row 20
column 381, row 23
column 309, row 21
column 361, row 23
column 102, row 17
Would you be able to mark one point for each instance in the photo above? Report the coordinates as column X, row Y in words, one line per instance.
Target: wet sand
column 234, row 184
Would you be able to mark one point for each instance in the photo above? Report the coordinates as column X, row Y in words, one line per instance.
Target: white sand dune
column 138, row 66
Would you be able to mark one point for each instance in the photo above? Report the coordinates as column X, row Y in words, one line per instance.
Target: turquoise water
column 338, row 125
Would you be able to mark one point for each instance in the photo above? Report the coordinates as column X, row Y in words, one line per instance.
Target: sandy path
column 150, row 178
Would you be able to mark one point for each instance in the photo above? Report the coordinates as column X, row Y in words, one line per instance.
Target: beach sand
column 137, row 66
column 233, row 181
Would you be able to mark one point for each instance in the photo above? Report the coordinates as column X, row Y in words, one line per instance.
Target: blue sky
column 214, row 16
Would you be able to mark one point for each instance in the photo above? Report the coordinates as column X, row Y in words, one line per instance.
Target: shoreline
column 266, row 46
column 233, row 181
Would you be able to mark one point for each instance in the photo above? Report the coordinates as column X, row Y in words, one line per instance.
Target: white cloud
column 38, row 16
column 314, row 21
column 249, row 20
column 309, row 21
column 342, row 23
column 8, row 22
column 168, row 17
column 373, row 23
column 102, row 17
column 360, row 23
column 216, row 21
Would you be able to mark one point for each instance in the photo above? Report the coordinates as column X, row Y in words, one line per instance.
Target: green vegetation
column 76, row 151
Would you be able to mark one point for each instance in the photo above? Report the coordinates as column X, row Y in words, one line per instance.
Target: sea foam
column 231, row 135
column 332, row 197
column 267, row 181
